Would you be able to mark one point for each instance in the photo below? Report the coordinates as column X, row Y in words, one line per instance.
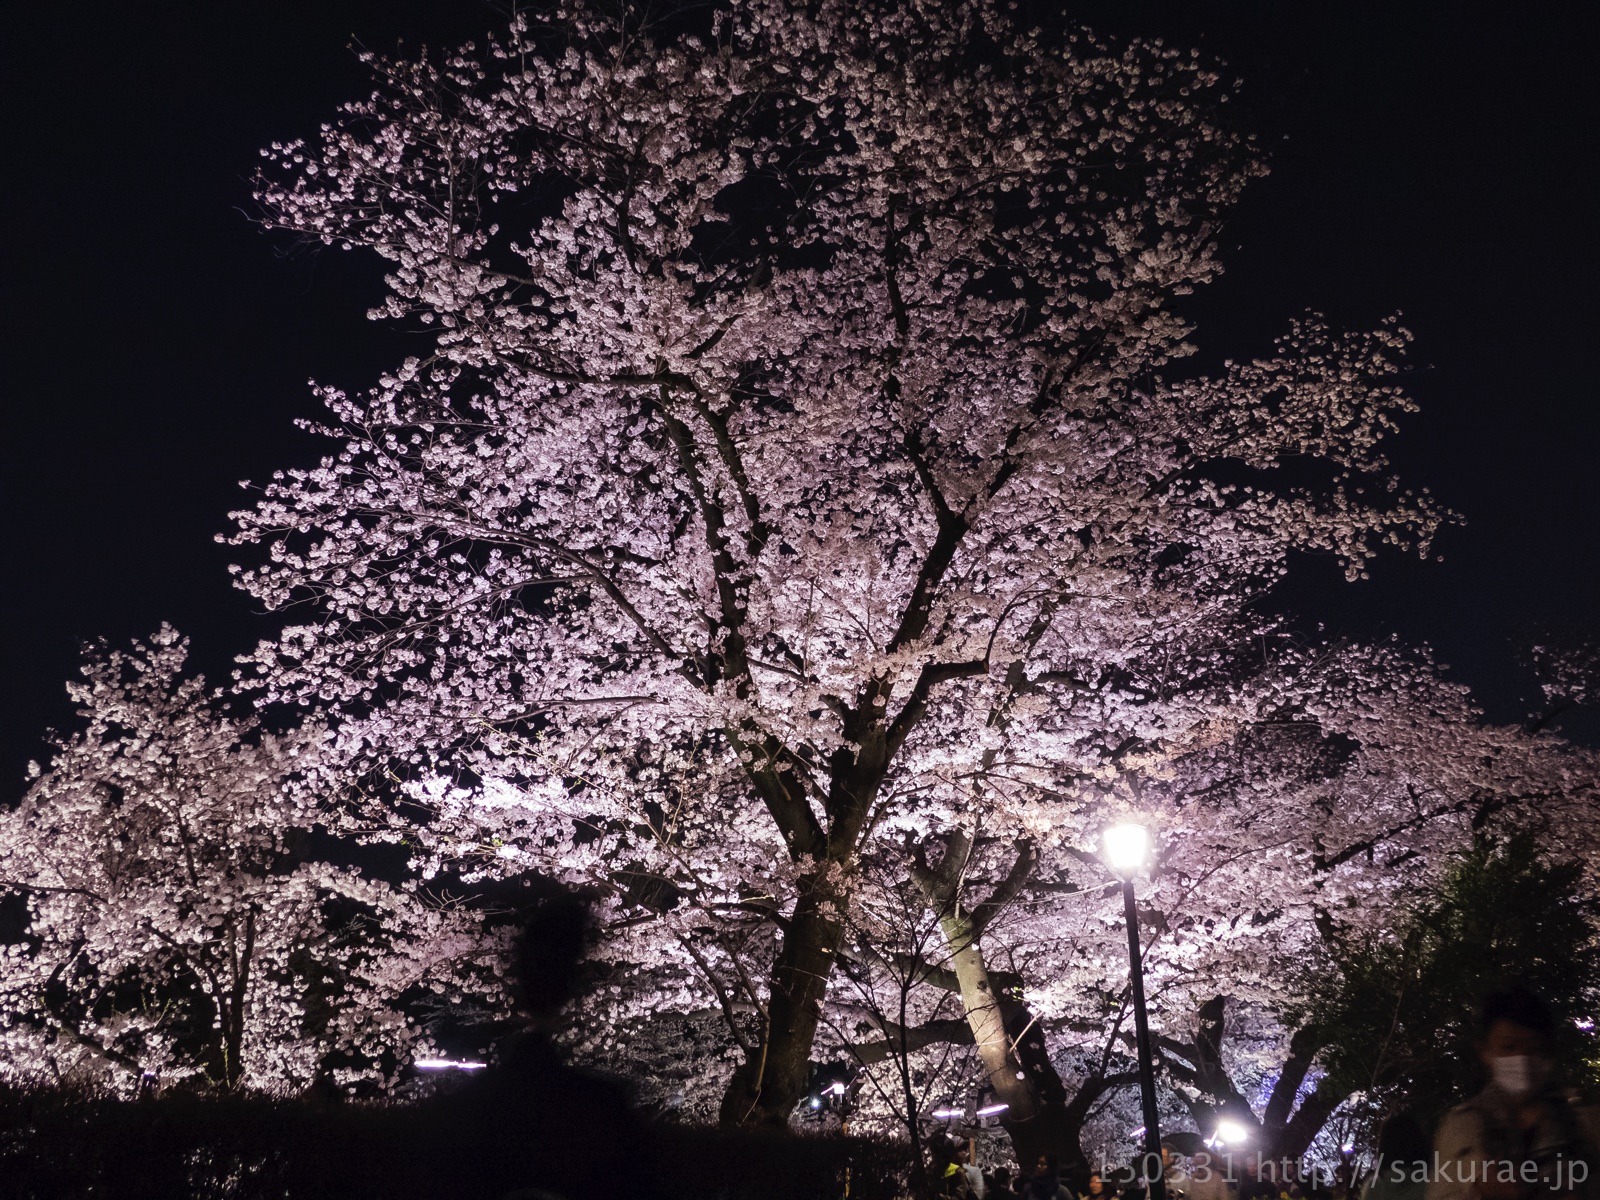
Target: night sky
column 1427, row 157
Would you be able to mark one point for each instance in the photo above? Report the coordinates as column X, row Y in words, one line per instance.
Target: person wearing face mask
column 1519, row 1138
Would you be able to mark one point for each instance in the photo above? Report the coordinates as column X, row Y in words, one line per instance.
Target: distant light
column 1348, row 1147
column 1127, row 846
column 1137, row 1133
column 989, row 1110
column 816, row 1102
column 447, row 1064
column 1231, row 1133
column 834, row 1089
column 946, row 1114
column 1584, row 1023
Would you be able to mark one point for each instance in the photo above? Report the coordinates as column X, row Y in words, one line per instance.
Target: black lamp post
column 1127, row 847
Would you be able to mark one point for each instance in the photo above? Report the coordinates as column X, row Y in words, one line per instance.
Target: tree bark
column 1283, row 1130
column 772, row 1080
column 233, row 1007
column 1295, row 1137
column 1013, row 1054
column 1009, row 1040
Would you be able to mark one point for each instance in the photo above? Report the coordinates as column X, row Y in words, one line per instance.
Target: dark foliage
column 1402, row 1023
column 569, row 1140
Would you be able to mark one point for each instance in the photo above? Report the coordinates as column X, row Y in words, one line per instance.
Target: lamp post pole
column 1127, row 848
column 1147, row 1074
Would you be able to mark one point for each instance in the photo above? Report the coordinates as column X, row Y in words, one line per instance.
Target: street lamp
column 1231, row 1133
column 1127, row 848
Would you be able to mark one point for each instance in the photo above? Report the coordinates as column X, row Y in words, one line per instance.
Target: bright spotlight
column 1127, row 847
column 447, row 1064
column 1231, row 1133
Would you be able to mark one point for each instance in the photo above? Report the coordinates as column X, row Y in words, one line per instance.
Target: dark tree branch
column 902, row 1040
column 916, row 704
column 1007, row 890
column 1303, row 1048
column 724, row 1001
column 779, row 779
column 725, row 571
column 1092, row 1088
column 733, row 461
column 919, row 605
column 1311, row 1116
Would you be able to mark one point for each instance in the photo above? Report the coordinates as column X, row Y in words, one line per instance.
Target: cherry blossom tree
column 1331, row 786
column 179, row 927
column 801, row 463
column 1483, row 811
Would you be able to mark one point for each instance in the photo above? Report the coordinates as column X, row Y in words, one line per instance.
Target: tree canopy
column 181, row 925
column 805, row 527
column 801, row 461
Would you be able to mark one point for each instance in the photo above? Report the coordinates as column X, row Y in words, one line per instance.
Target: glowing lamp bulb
column 1231, row 1133
column 1127, row 847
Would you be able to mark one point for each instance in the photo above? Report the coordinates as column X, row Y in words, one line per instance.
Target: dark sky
column 156, row 346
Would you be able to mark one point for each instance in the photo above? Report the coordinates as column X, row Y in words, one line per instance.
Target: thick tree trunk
column 238, row 953
column 1074, row 1162
column 1294, row 1137
column 1010, row 1043
column 1285, row 1128
column 772, row 1080
column 1011, row 1046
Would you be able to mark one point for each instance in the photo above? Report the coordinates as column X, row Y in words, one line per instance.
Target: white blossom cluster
column 179, row 928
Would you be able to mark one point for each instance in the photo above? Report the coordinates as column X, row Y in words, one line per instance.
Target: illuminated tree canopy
column 804, row 468
column 805, row 526
column 179, row 927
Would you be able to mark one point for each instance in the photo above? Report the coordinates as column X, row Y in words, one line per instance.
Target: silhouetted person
column 1044, row 1182
column 541, row 1123
column 1134, row 1186
column 1256, row 1183
column 1403, row 1148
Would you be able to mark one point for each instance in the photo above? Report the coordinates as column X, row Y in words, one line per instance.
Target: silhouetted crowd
column 1201, row 1176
